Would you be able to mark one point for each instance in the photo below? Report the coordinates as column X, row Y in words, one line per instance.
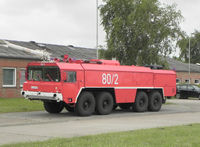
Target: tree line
column 144, row 32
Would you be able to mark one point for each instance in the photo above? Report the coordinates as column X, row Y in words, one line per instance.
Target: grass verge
column 19, row 105
column 179, row 136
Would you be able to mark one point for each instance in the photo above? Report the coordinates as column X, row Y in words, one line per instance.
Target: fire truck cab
column 97, row 85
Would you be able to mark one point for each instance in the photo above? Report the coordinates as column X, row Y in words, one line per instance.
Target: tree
column 183, row 44
column 139, row 31
column 194, row 48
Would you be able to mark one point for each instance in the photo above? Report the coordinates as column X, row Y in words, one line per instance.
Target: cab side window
column 70, row 76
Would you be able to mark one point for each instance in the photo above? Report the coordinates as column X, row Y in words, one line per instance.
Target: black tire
column 141, row 102
column 104, row 103
column 53, row 107
column 182, row 96
column 85, row 105
column 69, row 108
column 155, row 101
column 125, row 106
column 178, row 96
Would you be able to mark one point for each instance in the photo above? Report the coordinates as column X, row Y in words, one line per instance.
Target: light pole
column 97, row 28
column 189, row 60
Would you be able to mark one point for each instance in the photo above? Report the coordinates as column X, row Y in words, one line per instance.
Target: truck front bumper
column 42, row 96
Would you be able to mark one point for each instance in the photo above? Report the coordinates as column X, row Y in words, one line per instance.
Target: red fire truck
column 97, row 86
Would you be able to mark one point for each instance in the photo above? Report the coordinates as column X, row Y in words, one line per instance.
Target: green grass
column 19, row 105
column 179, row 136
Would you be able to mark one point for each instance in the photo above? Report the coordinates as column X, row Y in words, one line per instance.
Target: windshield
column 45, row 73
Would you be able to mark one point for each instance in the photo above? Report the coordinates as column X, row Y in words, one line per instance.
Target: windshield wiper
column 49, row 77
column 39, row 77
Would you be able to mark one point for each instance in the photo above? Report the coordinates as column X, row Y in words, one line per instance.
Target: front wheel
column 53, row 107
column 85, row 105
column 178, row 96
column 183, row 96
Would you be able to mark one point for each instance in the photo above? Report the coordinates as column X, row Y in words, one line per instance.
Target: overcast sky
column 69, row 22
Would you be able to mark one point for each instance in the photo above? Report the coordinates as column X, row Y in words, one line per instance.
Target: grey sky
column 190, row 10
column 68, row 21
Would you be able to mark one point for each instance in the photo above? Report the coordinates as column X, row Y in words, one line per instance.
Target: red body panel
column 125, row 80
column 125, row 95
column 69, row 66
column 166, row 80
column 42, row 86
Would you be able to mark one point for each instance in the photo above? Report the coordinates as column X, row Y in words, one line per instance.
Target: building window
column 196, row 81
column 187, row 81
column 22, row 77
column 9, row 77
column 178, row 81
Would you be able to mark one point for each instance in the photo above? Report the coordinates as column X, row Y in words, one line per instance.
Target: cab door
column 72, row 81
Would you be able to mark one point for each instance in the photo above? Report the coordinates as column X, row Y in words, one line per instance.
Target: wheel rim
column 156, row 102
column 86, row 105
column 142, row 102
column 105, row 104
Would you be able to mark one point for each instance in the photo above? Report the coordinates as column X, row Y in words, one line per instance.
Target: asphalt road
column 37, row 126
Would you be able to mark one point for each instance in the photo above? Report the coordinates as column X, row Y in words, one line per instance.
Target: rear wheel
column 141, row 102
column 86, row 104
column 53, row 107
column 104, row 102
column 155, row 101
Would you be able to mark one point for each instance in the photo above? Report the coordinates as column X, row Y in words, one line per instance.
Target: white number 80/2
column 109, row 79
